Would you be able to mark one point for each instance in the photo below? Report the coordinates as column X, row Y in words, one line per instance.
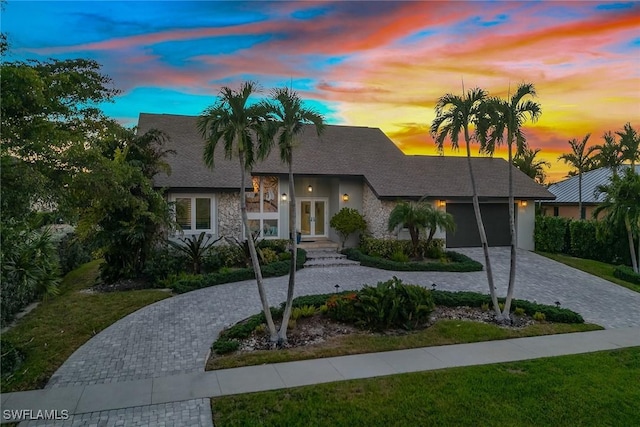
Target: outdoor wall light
column 523, row 203
column 345, row 197
column 284, row 197
column 309, row 188
column 442, row 203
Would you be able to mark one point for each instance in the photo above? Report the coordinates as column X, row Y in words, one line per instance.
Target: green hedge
column 459, row 263
column 626, row 273
column 552, row 234
column 189, row 283
column 474, row 299
column 387, row 248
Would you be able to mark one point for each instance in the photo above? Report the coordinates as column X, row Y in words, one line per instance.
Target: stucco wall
column 229, row 220
column 568, row 211
column 525, row 223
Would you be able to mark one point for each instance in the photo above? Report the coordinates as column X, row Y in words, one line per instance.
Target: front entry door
column 312, row 217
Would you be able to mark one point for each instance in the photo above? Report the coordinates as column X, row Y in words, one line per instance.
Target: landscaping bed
column 319, row 329
column 450, row 261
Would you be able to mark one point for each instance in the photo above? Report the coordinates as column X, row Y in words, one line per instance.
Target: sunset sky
column 377, row 64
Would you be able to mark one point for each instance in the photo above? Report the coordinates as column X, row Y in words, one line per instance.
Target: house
column 348, row 166
column 567, row 194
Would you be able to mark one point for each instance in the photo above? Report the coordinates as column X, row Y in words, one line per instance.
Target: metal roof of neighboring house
column 567, row 191
column 340, row 151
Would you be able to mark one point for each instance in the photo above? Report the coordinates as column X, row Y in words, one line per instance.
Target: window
column 194, row 213
column 556, row 211
column 263, row 206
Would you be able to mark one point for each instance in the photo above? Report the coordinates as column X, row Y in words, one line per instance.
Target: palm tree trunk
column 254, row 255
column 483, row 234
column 282, row 334
column 632, row 248
column 512, row 229
column 580, row 195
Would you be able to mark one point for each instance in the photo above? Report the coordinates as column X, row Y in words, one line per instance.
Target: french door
column 312, row 217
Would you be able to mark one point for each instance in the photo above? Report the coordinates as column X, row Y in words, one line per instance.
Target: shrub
column 269, row 256
column 277, row 245
column 191, row 282
column 225, row 346
column 474, row 299
column 304, row 311
column 459, row 263
column 163, row 263
column 72, row 252
column 519, row 311
column 231, row 256
column 340, row 307
column 346, row 222
column 399, row 257
column 539, row 316
column 393, row 304
column 551, row 234
column 584, row 243
column 626, row 273
column 29, row 268
column 195, row 248
column 10, row 357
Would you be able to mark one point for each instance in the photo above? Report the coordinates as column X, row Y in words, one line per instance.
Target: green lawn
column 590, row 266
column 442, row 333
column 57, row 327
column 597, row 389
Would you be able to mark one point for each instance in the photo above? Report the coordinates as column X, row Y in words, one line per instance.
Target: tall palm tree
column 622, row 206
column 609, row 154
column 454, row 115
column 287, row 112
column 417, row 217
column 508, row 116
column 630, row 144
column 527, row 163
column 581, row 159
column 240, row 128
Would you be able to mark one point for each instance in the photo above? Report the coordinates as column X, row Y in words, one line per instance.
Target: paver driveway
column 174, row 335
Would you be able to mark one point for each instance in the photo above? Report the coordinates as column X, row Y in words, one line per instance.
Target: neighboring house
column 348, row 166
column 566, row 192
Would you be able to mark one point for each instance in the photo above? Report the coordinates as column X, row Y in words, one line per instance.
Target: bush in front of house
column 454, row 262
column 626, row 273
column 187, row 283
column 346, row 222
column 387, row 248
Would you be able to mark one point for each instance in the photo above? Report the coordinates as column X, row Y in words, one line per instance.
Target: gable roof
column 340, row 151
column 567, row 191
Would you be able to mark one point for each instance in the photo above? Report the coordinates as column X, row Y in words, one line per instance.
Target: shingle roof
column 567, row 191
column 340, row 151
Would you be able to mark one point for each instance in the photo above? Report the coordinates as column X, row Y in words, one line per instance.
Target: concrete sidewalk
column 127, row 395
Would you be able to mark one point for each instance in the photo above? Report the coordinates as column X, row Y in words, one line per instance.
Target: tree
column 608, row 155
column 527, row 163
column 118, row 207
column 287, row 112
column 346, row 222
column 49, row 110
column 417, row 217
column 621, row 205
column 240, row 128
column 630, row 144
column 454, row 115
column 581, row 159
column 508, row 116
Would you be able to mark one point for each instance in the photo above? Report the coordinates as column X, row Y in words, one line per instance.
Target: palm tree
column 287, row 112
column 417, row 217
column 608, row 155
column 235, row 124
column 508, row 116
column 527, row 163
column 581, row 159
column 454, row 115
column 622, row 206
column 630, row 144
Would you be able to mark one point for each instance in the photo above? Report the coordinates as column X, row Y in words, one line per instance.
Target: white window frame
column 262, row 216
column 212, row 230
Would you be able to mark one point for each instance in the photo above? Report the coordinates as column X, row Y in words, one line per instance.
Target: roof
column 340, row 151
column 567, row 191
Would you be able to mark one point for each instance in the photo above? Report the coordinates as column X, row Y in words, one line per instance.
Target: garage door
column 496, row 224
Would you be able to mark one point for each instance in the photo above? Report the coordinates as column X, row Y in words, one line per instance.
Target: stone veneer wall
column 229, row 221
column 376, row 213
